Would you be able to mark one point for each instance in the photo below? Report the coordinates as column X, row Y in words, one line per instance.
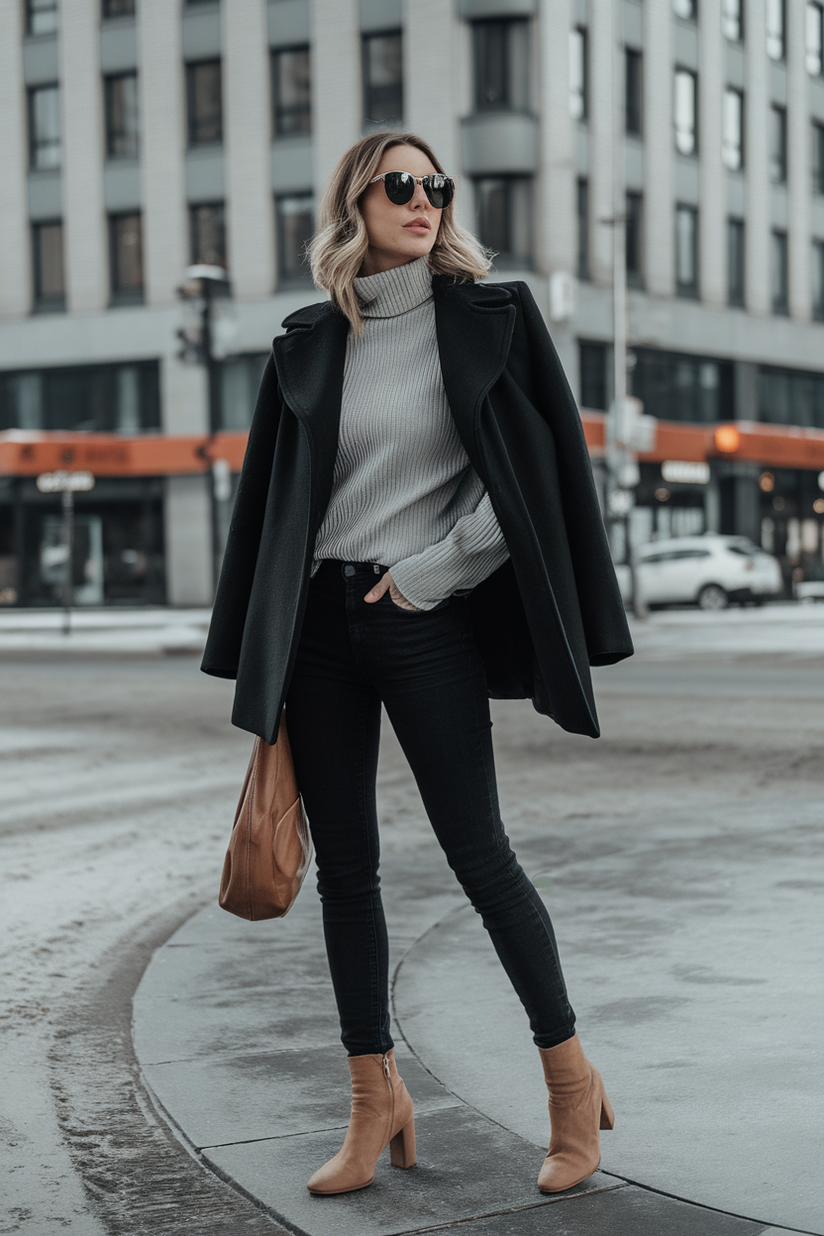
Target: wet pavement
column 691, row 942
column 679, row 858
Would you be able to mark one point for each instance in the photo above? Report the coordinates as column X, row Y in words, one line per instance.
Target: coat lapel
column 474, row 323
column 474, row 326
column 310, row 361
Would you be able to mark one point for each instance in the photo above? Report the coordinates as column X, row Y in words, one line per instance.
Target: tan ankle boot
column 382, row 1115
column 578, row 1107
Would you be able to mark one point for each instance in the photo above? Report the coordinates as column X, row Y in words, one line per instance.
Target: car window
column 691, row 553
column 746, row 551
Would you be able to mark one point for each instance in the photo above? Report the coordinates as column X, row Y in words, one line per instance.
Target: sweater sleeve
column 471, row 551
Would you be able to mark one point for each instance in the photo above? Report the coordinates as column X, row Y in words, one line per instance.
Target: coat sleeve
column 222, row 651
column 602, row 609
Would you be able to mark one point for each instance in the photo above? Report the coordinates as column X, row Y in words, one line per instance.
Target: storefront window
column 118, row 556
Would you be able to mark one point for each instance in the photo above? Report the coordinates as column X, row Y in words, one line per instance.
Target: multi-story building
column 138, row 137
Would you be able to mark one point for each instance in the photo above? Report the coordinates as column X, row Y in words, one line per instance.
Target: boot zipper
column 388, row 1076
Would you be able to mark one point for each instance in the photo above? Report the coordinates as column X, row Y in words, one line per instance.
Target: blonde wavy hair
column 337, row 249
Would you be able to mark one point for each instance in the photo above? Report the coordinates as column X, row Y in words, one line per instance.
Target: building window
column 735, row 262
column 503, row 207
column 775, row 29
column 41, row 16
column 685, row 9
column 121, row 398
column 291, row 91
column 49, row 283
column 732, row 20
column 593, row 367
column 125, row 258
column 732, row 145
column 686, row 250
column 582, row 203
column 121, row 116
column 790, row 397
column 633, row 92
column 814, row 37
column 818, row 280
column 501, row 54
column 578, row 74
column 383, row 78
column 634, row 239
column 685, row 112
column 818, row 157
column 204, row 104
column 778, row 272
column 207, row 233
column 778, row 145
column 295, row 225
column 676, row 386
column 44, row 127
column 118, row 8
column 239, row 383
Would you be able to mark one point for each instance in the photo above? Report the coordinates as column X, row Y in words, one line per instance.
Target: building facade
column 139, row 137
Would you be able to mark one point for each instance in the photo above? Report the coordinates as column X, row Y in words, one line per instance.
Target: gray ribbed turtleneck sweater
column 404, row 492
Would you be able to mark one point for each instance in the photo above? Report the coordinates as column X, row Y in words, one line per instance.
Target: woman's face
column 398, row 234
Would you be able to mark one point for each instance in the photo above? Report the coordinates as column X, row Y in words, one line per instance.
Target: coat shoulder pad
column 485, row 295
column 308, row 315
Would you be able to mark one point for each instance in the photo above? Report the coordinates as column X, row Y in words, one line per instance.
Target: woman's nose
column 418, row 197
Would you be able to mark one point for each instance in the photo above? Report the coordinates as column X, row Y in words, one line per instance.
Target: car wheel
column 713, row 596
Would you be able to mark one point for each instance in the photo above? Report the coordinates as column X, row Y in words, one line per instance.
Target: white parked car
column 709, row 571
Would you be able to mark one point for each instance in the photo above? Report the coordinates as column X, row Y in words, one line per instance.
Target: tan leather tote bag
column 270, row 848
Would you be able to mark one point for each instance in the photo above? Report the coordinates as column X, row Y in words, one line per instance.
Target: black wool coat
column 541, row 620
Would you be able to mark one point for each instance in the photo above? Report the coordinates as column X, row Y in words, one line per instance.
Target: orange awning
column 108, row 454
column 24, row 453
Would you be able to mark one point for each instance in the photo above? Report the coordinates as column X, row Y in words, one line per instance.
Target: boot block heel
column 607, row 1114
column 402, row 1147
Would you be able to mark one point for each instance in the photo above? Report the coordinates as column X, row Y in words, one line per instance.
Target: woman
column 416, row 526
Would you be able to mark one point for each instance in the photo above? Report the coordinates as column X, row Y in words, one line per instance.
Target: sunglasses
column 400, row 187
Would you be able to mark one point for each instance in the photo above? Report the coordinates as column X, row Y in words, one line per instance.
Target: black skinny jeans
column 425, row 668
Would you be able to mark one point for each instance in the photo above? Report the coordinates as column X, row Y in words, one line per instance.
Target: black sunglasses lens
column 400, row 187
column 438, row 189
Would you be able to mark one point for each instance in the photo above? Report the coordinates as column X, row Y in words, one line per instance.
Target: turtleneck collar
column 396, row 291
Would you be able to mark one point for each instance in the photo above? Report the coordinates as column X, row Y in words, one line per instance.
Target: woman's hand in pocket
column 387, row 582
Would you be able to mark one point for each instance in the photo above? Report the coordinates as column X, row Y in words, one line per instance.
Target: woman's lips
column 419, row 225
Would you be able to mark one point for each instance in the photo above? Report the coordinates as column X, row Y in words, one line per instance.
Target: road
column 119, row 782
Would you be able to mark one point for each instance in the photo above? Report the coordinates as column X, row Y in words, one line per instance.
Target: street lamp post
column 202, row 282
column 627, row 429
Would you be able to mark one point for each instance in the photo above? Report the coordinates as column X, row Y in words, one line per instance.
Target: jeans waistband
column 350, row 569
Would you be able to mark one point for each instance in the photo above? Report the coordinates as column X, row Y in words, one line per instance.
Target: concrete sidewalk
column 783, row 629
column 677, row 934
column 141, row 631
